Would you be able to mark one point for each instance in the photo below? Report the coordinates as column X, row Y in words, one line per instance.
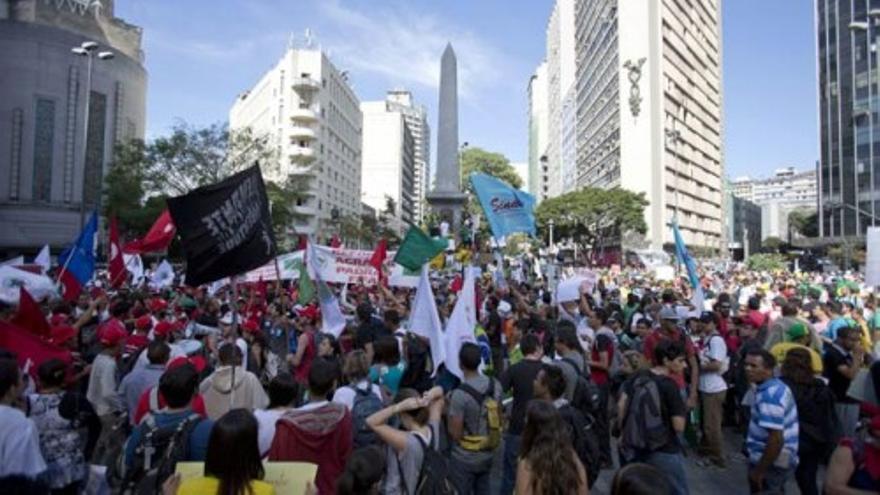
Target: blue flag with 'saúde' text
column 508, row 210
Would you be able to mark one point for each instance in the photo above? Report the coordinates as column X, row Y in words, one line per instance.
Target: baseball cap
column 145, row 322
column 796, row 331
column 163, row 328
column 61, row 334
column 504, row 309
column 251, row 326
column 668, row 313
column 197, row 362
column 707, row 317
column 112, row 333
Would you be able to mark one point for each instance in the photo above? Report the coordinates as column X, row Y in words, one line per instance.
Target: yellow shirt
column 208, row 486
column 781, row 349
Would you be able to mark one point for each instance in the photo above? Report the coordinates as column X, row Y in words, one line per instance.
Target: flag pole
column 277, row 279
column 234, row 284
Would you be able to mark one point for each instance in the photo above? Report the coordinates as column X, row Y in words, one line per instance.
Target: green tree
column 766, row 262
column 591, row 214
column 474, row 159
column 804, row 221
column 772, row 244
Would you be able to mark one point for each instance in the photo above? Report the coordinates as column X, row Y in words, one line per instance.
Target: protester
column 713, row 389
column 363, row 473
column 21, row 460
column 854, row 468
column 139, row 380
column 231, row 386
column 388, row 368
column 102, row 386
column 283, row 392
column 640, row 479
column 548, row 463
column 772, row 440
column 842, row 361
column 571, row 358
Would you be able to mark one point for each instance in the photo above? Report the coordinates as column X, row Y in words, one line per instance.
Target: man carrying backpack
column 602, row 360
column 167, row 437
column 474, row 424
column 568, row 348
column 652, row 415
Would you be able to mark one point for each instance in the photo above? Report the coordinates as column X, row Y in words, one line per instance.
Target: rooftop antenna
column 308, row 38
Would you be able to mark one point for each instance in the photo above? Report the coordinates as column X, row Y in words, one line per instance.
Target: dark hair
column 229, row 354
column 554, row 380
column 644, row 321
column 322, row 377
column 600, row 315
column 392, row 316
column 355, row 366
column 848, row 333
column 364, row 312
column 767, row 359
column 334, row 344
column 546, row 446
column 178, row 385
column 567, row 336
column 754, row 302
column 387, row 351
column 529, row 344
column 469, row 356
column 789, row 309
column 158, row 352
column 283, row 390
column 668, row 297
column 364, row 469
column 52, row 373
column 420, row 415
column 640, row 479
column 632, row 299
column 9, row 375
column 233, row 453
column 668, row 350
column 798, row 366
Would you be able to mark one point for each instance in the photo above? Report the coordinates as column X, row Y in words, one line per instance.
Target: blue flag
column 684, row 258
column 508, row 210
column 78, row 260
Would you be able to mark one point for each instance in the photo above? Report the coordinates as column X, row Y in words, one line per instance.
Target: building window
column 44, row 141
column 95, row 150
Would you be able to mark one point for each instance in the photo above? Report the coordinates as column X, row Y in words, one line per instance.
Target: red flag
column 157, row 239
column 335, row 243
column 456, row 284
column 303, row 242
column 378, row 258
column 30, row 316
column 114, row 257
column 29, row 347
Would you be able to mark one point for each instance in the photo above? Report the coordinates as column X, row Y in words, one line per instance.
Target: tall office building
column 538, row 133
column 416, row 117
column 388, row 168
column 849, row 163
column 309, row 112
column 59, row 121
column 777, row 196
column 649, row 115
column 560, row 81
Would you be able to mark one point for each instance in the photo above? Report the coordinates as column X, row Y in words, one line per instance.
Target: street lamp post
column 87, row 49
column 674, row 137
column 550, row 224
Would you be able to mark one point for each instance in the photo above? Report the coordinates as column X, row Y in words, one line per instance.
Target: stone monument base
column 448, row 206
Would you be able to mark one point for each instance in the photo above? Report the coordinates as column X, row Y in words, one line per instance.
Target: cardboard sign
column 285, row 477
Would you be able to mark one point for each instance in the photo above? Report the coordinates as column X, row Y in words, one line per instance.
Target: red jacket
column 321, row 435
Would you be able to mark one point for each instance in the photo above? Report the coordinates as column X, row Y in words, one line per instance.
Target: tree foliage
column 804, row 221
column 766, row 262
column 591, row 214
column 772, row 244
column 474, row 159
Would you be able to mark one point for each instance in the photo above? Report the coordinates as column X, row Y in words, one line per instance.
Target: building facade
column 649, row 111
column 560, row 79
column 849, row 163
column 786, row 191
column 310, row 114
column 388, row 168
column 744, row 224
column 54, row 163
column 416, row 117
column 538, row 133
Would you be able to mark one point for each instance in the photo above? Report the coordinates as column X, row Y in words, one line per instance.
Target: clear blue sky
column 201, row 53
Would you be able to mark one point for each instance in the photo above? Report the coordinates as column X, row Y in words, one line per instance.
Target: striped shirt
column 774, row 409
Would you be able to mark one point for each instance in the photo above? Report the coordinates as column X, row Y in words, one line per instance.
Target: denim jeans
column 774, row 480
column 511, row 455
column 468, row 478
column 672, row 465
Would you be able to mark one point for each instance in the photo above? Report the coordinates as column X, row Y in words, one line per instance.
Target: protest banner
column 285, row 477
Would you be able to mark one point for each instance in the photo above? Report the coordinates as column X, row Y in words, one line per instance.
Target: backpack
column 584, row 440
column 644, row 427
column 434, row 478
column 157, row 455
column 586, row 398
column 365, row 404
column 490, row 420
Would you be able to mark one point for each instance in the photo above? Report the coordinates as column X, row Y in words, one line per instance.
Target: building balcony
column 303, row 115
column 303, row 170
column 301, row 133
column 306, row 84
column 301, row 154
column 305, row 210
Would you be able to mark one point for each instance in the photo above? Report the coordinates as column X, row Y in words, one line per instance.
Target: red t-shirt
column 143, row 407
column 602, row 343
column 655, row 337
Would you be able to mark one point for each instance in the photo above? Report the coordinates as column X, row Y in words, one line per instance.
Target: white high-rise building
column 388, row 167
column 649, row 116
column 311, row 115
column 538, row 133
column 786, row 191
column 416, row 117
column 561, row 72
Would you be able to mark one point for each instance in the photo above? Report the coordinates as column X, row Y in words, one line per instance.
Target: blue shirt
column 135, row 383
column 774, row 409
column 198, row 439
column 835, row 325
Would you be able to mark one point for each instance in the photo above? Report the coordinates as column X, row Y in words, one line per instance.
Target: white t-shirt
column 19, row 445
column 715, row 349
column 266, row 419
column 345, row 395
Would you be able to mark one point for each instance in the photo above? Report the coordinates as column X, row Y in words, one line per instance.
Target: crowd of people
column 629, row 377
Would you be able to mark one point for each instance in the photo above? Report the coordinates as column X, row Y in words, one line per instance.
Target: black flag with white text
column 225, row 228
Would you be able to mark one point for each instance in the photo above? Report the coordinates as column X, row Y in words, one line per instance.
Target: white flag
column 44, row 259
column 332, row 320
column 11, row 279
column 425, row 320
column 17, row 261
column 135, row 265
column 461, row 324
column 163, row 276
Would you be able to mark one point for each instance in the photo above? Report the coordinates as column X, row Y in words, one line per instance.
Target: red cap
column 163, row 329
column 251, row 326
column 144, row 323
column 58, row 319
column 198, row 363
column 311, row 312
column 157, row 305
column 61, row 334
column 112, row 333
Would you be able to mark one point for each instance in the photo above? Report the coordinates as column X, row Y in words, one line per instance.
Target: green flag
column 417, row 249
column 306, row 286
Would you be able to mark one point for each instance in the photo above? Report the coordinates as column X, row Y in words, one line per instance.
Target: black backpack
column 584, row 440
column 365, row 405
column 157, row 455
column 434, row 476
column 644, row 427
column 586, row 398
